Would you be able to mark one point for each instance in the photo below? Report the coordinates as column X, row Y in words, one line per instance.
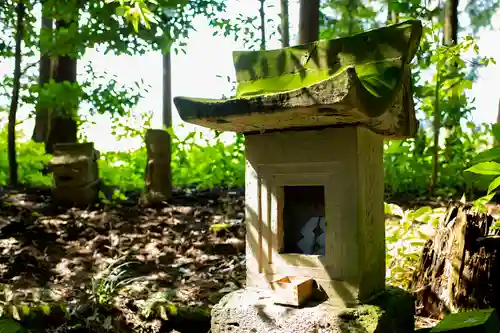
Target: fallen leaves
column 179, row 248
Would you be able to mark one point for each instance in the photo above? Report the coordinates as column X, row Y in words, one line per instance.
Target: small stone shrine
column 158, row 171
column 75, row 173
column 314, row 118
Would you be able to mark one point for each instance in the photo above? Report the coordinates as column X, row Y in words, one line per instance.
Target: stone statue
column 158, row 174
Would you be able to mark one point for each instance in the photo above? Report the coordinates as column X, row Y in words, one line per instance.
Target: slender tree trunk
column 450, row 22
column 308, row 21
column 450, row 37
column 262, row 15
column 63, row 125
column 392, row 16
column 498, row 112
column 436, row 128
column 40, row 132
column 13, row 176
column 350, row 9
column 164, row 177
column 496, row 143
column 167, row 90
column 284, row 24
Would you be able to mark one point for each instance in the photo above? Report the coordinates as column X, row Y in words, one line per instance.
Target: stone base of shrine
column 251, row 310
column 76, row 196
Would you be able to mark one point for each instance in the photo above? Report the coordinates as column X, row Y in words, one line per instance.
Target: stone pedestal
column 75, row 173
column 158, row 173
column 252, row 310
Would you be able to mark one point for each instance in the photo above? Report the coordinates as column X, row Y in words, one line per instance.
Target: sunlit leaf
column 488, row 155
column 493, row 185
column 419, row 213
column 485, row 168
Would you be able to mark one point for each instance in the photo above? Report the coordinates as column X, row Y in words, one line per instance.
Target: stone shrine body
column 314, row 118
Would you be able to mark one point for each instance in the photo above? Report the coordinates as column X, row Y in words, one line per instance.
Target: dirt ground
column 52, row 254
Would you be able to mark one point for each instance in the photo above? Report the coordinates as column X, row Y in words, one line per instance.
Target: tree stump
column 158, row 173
column 460, row 265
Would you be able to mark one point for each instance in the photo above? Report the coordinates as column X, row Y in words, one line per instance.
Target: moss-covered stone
column 362, row 79
column 392, row 311
column 364, row 318
column 254, row 311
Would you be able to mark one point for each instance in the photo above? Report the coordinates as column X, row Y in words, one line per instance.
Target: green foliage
column 488, row 165
column 31, row 158
column 14, row 310
column 209, row 165
column 159, row 305
column 10, row 326
column 158, row 23
column 195, row 161
column 107, row 284
column 406, row 233
column 408, row 164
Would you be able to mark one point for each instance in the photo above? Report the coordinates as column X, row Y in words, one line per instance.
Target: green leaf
column 15, row 312
column 393, row 209
column 480, row 203
column 485, row 168
column 45, row 309
column 172, row 309
column 496, row 131
column 493, row 185
column 421, row 212
column 163, row 312
column 8, row 325
column 122, row 10
column 135, row 24
column 488, row 155
column 25, row 310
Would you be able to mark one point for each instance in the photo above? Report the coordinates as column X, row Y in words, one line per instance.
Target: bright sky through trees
column 195, row 73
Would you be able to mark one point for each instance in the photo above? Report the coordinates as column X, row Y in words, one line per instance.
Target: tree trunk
column 158, row 172
column 13, row 176
column 40, row 132
column 63, row 126
column 496, row 143
column 284, row 24
column 450, row 35
column 392, row 15
column 167, row 90
column 308, row 21
column 498, row 112
column 351, row 7
column 262, row 15
column 460, row 266
column 436, row 126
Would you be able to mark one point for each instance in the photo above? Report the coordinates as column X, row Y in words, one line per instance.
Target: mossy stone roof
column 363, row 79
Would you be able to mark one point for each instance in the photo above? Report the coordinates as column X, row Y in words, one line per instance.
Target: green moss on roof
column 357, row 78
column 377, row 56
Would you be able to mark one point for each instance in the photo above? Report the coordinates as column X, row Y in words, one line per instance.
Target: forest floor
column 180, row 258
column 55, row 255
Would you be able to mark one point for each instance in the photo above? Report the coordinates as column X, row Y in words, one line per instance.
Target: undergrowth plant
column 406, row 233
column 487, row 164
column 105, row 287
column 207, row 162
